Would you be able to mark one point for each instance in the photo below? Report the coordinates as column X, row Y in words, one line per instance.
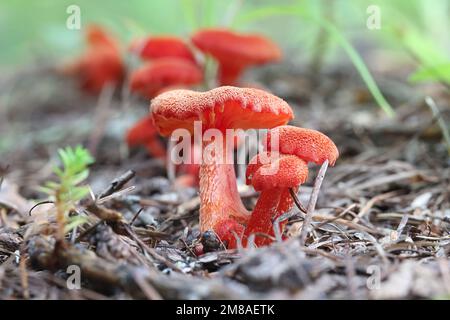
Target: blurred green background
column 413, row 31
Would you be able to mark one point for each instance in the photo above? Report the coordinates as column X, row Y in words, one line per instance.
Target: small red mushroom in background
column 145, row 133
column 101, row 63
column 296, row 147
column 158, row 75
column 152, row 48
column 171, row 66
column 221, row 208
column 96, row 36
column 235, row 52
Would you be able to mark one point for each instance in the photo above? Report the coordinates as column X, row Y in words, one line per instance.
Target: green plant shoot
column 67, row 190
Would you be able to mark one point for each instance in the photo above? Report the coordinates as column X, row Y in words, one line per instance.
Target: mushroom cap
column 222, row 108
column 307, row 144
column 96, row 68
column 230, row 47
column 100, row 64
column 162, row 47
column 283, row 171
column 142, row 131
column 97, row 36
column 155, row 76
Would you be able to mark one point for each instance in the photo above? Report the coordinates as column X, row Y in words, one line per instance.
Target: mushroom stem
column 221, row 207
column 229, row 74
column 270, row 205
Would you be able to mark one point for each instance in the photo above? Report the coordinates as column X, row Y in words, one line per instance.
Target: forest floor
column 380, row 228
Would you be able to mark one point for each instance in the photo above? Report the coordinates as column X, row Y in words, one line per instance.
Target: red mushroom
column 289, row 172
column 155, row 76
column 162, row 47
column 96, row 36
column 145, row 133
column 100, row 65
column 221, row 209
column 307, row 144
column 296, row 147
column 235, row 52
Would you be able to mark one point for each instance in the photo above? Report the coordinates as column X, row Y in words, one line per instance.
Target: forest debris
column 282, row 265
column 220, row 257
column 118, row 183
column 364, row 210
column 103, row 213
column 384, row 180
column 10, row 240
column 421, row 201
column 312, row 202
column 411, row 278
column 108, row 244
column 11, row 199
column 109, row 275
column 42, row 254
column 319, row 289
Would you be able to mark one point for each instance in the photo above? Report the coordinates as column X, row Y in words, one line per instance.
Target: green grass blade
column 437, row 114
column 353, row 54
column 360, row 66
column 189, row 13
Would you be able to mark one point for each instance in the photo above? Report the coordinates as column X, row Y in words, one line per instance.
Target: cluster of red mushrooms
column 227, row 107
column 169, row 68
column 168, row 62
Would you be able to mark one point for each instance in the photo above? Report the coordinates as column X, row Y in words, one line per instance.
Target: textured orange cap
column 307, row 144
column 230, row 46
column 162, row 47
column 151, row 78
column 142, row 131
column 234, row 51
column 284, row 171
column 221, row 108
